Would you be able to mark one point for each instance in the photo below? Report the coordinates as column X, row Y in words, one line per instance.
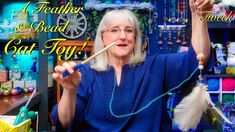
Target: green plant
column 93, row 21
column 94, row 18
column 143, row 18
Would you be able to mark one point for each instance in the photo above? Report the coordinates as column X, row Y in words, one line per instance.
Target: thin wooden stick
column 99, row 52
column 79, row 65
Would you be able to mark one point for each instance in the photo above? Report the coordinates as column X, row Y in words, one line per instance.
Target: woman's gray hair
column 101, row 62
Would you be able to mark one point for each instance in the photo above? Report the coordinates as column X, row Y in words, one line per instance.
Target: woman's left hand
column 201, row 6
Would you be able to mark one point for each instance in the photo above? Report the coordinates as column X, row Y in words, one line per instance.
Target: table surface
column 11, row 104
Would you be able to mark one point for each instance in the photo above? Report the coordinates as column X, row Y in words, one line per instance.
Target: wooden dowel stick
column 79, row 65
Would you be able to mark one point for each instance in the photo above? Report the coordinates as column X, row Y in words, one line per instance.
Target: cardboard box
column 31, row 83
column 7, row 84
column 14, row 75
column 18, row 84
column 3, row 75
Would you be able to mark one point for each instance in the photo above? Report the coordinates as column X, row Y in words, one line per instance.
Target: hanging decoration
column 184, row 41
column 189, row 111
column 178, row 38
column 165, row 18
column 169, row 41
column 150, row 21
column 172, row 11
column 160, row 41
column 178, row 11
column 76, row 27
column 155, row 15
column 184, row 11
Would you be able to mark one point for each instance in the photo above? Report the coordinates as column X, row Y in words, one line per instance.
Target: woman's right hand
column 71, row 81
column 201, row 6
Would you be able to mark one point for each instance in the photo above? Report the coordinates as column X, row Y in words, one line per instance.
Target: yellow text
column 211, row 17
column 13, row 44
column 63, row 9
column 41, row 27
column 53, row 45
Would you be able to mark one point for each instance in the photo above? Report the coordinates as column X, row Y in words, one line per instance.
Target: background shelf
column 101, row 6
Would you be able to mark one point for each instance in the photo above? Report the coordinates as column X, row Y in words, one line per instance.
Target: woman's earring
column 145, row 47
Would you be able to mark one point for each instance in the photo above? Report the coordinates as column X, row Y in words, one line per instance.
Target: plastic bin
column 7, row 121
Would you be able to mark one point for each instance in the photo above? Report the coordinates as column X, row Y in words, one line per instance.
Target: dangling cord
column 147, row 105
column 200, row 56
column 188, row 113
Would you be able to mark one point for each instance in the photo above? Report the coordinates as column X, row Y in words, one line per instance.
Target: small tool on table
column 24, row 114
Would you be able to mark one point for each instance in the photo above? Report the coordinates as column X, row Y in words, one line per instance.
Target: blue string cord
column 148, row 105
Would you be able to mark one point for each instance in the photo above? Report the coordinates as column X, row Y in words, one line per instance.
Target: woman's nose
column 122, row 34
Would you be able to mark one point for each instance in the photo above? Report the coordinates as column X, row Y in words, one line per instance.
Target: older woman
column 123, row 80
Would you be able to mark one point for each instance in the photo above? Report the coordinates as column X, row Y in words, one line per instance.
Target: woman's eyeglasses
column 117, row 31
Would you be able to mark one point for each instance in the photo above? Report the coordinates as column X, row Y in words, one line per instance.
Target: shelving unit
column 221, row 24
column 221, row 32
column 220, row 93
column 101, row 6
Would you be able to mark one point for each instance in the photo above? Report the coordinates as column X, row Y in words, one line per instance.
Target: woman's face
column 121, row 31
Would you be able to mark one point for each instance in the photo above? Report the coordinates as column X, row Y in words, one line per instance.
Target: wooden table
column 10, row 105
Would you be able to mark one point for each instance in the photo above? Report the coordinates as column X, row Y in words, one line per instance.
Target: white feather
column 188, row 112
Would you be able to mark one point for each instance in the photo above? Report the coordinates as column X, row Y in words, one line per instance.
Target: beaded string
column 200, row 56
